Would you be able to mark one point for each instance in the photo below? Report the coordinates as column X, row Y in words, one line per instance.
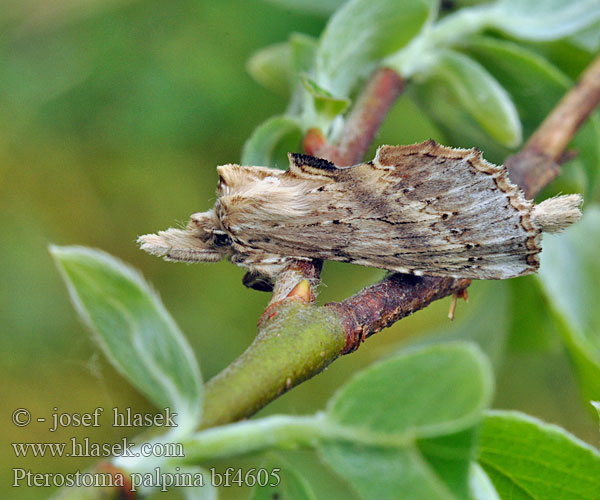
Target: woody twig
column 537, row 164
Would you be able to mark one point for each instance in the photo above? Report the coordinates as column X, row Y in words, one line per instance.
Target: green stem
column 294, row 343
column 282, row 432
column 278, row 431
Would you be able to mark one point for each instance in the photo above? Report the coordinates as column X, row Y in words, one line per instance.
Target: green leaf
column 360, row 34
column 436, row 390
column 443, row 107
column 385, row 472
column 536, row 86
column 271, row 141
column 569, row 277
column 325, row 104
column 272, row 68
column 532, row 329
column 303, row 49
column 278, row 66
column 404, row 428
column 480, row 94
column 134, row 329
column 529, row 459
column 318, row 7
column 547, row 20
column 286, row 484
column 413, row 418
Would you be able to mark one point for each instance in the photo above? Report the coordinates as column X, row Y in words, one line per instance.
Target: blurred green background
column 113, row 116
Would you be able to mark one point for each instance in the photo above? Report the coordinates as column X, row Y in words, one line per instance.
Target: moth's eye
column 221, row 239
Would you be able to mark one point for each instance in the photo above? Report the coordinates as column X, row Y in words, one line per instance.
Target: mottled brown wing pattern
column 420, row 209
column 423, row 209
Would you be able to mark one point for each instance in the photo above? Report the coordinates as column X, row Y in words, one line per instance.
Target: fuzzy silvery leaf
column 544, row 20
column 360, row 34
column 134, row 330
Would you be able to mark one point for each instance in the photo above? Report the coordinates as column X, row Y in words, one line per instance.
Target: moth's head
column 202, row 241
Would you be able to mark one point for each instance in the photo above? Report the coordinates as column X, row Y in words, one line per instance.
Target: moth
column 421, row 209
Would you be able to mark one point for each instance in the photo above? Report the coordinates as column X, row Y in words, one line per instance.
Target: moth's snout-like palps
column 201, row 241
column 423, row 209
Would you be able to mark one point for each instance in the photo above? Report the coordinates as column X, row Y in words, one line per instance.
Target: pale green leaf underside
column 134, row 329
column 205, row 492
column 544, row 20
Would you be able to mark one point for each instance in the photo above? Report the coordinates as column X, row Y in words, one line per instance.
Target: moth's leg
column 258, row 281
column 462, row 294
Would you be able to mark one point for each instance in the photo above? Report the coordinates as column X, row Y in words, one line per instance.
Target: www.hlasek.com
column 87, row 448
column 155, row 479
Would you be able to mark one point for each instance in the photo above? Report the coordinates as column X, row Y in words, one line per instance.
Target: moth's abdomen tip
column 556, row 214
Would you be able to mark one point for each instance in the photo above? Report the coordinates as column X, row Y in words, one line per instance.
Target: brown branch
column 537, row 163
column 382, row 304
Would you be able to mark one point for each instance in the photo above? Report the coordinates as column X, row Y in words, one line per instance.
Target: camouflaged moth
column 423, row 209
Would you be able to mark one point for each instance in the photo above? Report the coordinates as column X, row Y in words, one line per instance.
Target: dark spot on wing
column 310, row 161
